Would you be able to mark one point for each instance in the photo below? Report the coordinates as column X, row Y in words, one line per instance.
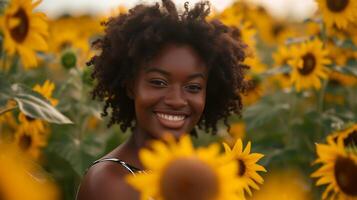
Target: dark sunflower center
column 25, row 142
column 286, row 74
column 337, row 5
column 242, row 168
column 189, row 179
column 277, row 29
column 346, row 175
column 65, row 44
column 334, row 83
column 351, row 139
column 2, row 195
column 309, row 64
column 20, row 31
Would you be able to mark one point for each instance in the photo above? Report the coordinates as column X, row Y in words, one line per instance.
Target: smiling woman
column 159, row 72
column 170, row 92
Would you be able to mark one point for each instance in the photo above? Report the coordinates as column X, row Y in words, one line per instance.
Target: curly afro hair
column 135, row 37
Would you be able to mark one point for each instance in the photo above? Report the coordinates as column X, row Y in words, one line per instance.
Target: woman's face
column 169, row 92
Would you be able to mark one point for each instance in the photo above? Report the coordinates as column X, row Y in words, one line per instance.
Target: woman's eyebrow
column 158, row 70
column 154, row 69
column 197, row 75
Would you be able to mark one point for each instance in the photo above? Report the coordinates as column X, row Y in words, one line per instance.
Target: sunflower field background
column 301, row 113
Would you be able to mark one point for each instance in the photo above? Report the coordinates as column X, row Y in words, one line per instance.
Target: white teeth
column 171, row 117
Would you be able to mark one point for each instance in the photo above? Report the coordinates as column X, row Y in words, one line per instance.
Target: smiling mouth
column 170, row 120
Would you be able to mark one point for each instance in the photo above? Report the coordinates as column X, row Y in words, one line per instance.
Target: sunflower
column 38, row 126
column 24, row 31
column 232, row 15
column 74, row 38
column 46, row 90
column 71, row 35
column 339, row 55
column 311, row 28
column 338, row 12
column 309, row 65
column 178, row 171
column 342, row 80
column 19, row 179
column 34, row 126
column 255, row 63
column 248, row 167
column 283, row 184
column 338, row 171
column 347, row 136
column 271, row 30
column 29, row 143
column 8, row 117
column 281, row 58
column 236, row 131
column 255, row 92
column 246, row 32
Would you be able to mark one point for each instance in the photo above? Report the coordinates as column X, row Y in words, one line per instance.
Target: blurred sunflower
column 177, row 171
column 236, row 131
column 248, row 167
column 255, row 63
column 68, row 38
column 283, row 185
column 29, row 143
column 338, row 12
column 24, row 31
column 339, row 55
column 73, row 38
column 46, row 90
column 245, row 29
column 271, row 30
column 19, row 179
column 281, row 58
column 311, row 28
column 309, row 65
column 37, row 126
column 93, row 122
column 338, row 171
column 248, row 34
column 7, row 119
column 342, row 80
column 337, row 81
column 255, row 92
column 232, row 15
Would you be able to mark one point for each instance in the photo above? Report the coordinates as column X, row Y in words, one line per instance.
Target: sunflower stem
column 320, row 106
column 3, row 55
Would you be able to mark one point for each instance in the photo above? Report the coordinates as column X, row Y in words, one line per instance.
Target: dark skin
column 169, row 95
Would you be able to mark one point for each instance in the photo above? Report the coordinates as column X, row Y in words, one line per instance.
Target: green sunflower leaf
column 34, row 105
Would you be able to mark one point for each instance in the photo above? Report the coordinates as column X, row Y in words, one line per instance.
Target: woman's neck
column 129, row 151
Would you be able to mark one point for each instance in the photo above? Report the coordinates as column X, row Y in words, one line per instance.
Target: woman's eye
column 194, row 88
column 157, row 82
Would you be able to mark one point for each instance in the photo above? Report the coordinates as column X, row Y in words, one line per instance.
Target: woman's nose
column 175, row 98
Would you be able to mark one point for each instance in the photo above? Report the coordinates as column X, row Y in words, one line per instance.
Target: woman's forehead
column 177, row 55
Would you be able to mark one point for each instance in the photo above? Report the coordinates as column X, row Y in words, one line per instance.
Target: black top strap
column 128, row 167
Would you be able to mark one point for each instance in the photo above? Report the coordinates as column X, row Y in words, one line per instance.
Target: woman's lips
column 172, row 121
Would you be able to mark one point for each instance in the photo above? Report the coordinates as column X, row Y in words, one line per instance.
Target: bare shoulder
column 105, row 181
